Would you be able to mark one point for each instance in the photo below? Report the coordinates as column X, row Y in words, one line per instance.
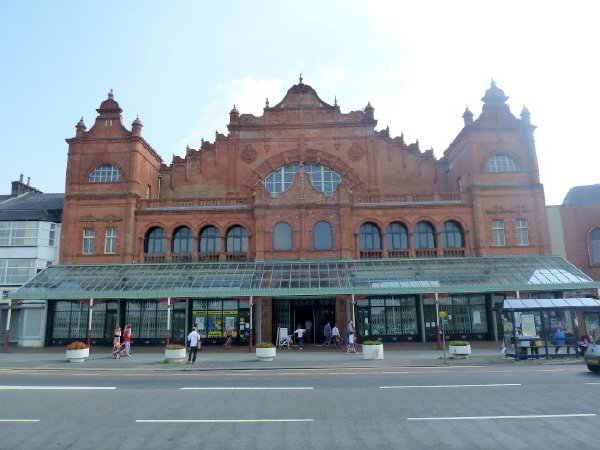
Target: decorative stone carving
column 248, row 154
column 356, row 152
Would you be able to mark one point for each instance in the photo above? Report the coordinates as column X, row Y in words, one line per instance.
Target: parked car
column 592, row 356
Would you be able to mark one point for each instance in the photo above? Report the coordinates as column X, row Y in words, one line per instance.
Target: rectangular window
column 89, row 240
column 18, row 234
column 110, row 242
column 16, row 271
column 52, row 235
column 498, row 236
column 522, row 234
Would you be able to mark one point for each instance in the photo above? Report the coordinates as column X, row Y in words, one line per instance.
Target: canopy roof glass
column 515, row 304
column 305, row 278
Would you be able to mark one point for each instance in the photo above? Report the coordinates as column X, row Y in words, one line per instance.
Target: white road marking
column 532, row 416
column 19, row 420
column 55, row 388
column 244, row 388
column 591, row 383
column 451, row 386
column 222, row 420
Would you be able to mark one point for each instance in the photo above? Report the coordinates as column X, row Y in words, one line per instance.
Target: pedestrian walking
column 116, row 350
column 300, row 333
column 193, row 344
column 351, row 347
column 126, row 347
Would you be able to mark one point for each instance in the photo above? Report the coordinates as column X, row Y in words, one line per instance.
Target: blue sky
column 181, row 66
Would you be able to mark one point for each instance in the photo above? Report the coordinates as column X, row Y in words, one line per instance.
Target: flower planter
column 78, row 355
column 175, row 355
column 266, row 353
column 372, row 351
column 460, row 350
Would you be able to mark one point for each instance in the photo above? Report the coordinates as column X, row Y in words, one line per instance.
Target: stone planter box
column 266, row 354
column 372, row 351
column 175, row 355
column 78, row 355
column 460, row 350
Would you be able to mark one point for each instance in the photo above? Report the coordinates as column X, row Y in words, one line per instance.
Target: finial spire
column 301, row 78
column 267, row 103
column 335, row 101
column 110, row 95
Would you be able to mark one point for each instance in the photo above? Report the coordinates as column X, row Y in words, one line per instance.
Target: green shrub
column 459, row 343
column 372, row 343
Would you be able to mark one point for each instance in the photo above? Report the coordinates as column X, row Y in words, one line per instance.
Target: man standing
column 300, row 332
column 327, row 333
column 193, row 339
column 335, row 335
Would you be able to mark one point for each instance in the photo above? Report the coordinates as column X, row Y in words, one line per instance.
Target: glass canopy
column 306, row 278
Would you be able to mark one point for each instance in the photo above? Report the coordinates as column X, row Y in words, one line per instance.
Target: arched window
column 183, row 240
column 105, row 174
column 210, row 240
column 452, row 235
column 501, row 163
column 322, row 236
column 369, row 237
column 282, row 236
column 237, row 239
column 155, row 241
column 396, row 236
column 424, row 235
column 594, row 246
column 322, row 178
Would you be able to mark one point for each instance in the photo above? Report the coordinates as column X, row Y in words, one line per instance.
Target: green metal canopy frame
column 306, row 278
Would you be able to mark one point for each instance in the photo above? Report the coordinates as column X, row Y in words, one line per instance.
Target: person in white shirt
column 300, row 332
column 193, row 339
column 335, row 335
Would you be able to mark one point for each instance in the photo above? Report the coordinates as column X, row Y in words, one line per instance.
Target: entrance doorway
column 293, row 312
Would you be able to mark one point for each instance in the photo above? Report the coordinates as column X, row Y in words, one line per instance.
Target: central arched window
column 105, row 174
column 424, row 235
column 155, row 241
column 501, row 163
column 322, row 178
column 282, row 236
column 183, row 241
column 237, row 239
column 210, row 241
column 369, row 237
column 452, row 235
column 396, row 236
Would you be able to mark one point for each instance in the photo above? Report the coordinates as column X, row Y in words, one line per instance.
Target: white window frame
column 521, row 232
column 498, row 233
column 89, row 241
column 110, row 241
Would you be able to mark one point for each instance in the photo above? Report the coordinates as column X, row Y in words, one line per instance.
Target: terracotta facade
column 383, row 180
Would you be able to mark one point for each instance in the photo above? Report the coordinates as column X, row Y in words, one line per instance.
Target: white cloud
column 248, row 94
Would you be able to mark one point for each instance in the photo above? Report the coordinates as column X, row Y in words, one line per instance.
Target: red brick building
column 306, row 182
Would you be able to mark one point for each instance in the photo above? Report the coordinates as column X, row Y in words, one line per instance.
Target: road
column 491, row 407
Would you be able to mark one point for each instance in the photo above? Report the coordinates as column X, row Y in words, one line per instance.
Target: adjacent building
column 29, row 242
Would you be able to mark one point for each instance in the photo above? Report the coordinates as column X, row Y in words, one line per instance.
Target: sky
column 180, row 66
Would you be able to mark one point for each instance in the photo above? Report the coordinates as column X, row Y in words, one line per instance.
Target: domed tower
column 493, row 158
column 109, row 169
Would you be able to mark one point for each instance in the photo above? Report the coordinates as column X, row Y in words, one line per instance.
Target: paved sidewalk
column 238, row 358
